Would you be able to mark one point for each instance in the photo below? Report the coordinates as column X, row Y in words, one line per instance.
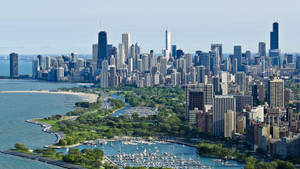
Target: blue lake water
column 16, row 108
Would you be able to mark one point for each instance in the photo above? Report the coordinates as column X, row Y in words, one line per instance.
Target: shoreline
column 47, row 128
column 88, row 97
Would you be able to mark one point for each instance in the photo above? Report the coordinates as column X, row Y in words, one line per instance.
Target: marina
column 151, row 153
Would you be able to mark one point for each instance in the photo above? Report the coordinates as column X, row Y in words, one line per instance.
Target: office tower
column 204, row 60
column 274, row 36
column 179, row 53
column 289, row 58
column 95, row 53
column 47, row 62
column 222, row 104
column 216, row 46
column 145, row 62
column 274, row 46
column 238, row 55
column 74, row 56
column 132, row 51
column 40, row 58
column 229, row 123
column 235, row 66
column 35, row 68
column 298, row 63
column 261, row 92
column 126, row 43
column 113, row 78
column 255, row 93
column 152, row 60
column 168, row 44
column 104, row 76
column 248, row 57
column 173, row 51
column 139, row 65
column 240, row 79
column 262, row 49
column 189, row 61
column 121, row 57
column 216, row 60
column 276, row 92
column 60, row 74
column 192, row 75
column 14, row 64
column 200, row 74
column 163, row 66
column 216, row 84
column 137, row 49
column 130, row 65
column 102, row 48
column 209, row 94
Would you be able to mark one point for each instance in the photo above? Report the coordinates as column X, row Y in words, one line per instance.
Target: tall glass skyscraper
column 102, row 48
column 274, row 36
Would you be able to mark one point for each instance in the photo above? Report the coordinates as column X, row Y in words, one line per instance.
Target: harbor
column 130, row 151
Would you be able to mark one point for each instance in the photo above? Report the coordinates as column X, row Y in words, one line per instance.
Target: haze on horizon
column 65, row 26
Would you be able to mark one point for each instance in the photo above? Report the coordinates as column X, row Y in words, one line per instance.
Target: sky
column 65, row 26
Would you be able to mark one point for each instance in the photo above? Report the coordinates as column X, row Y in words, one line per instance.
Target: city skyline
column 62, row 30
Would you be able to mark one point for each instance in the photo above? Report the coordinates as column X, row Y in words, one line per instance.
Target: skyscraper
column 240, row 79
column 274, row 36
column 217, row 46
column 222, row 104
column 168, row 44
column 262, row 49
column 238, row 55
column 102, row 48
column 276, row 92
column 174, row 48
column 40, row 58
column 95, row 53
column 126, row 44
column 14, row 63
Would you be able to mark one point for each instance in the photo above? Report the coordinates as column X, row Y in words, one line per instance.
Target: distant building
column 276, row 92
column 102, row 48
column 262, row 49
column 126, row 44
column 14, row 64
column 240, row 79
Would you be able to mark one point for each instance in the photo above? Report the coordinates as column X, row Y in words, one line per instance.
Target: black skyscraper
column 102, row 48
column 275, row 36
column 14, row 64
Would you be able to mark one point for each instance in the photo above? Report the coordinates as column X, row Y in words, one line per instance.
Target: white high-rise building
column 222, row 104
column 229, row 123
column 168, row 44
column 121, row 57
column 126, row 44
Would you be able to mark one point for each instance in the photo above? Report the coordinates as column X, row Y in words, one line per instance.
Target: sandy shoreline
column 88, row 97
